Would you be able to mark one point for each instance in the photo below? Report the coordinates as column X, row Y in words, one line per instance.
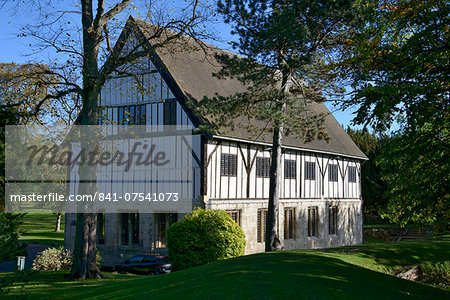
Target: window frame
column 170, row 112
column 238, row 215
column 262, row 167
column 333, row 214
column 289, row 223
column 129, row 230
column 290, row 169
column 261, row 225
column 333, row 172
column 310, row 170
column 137, row 114
column 351, row 174
column 228, row 164
column 313, row 221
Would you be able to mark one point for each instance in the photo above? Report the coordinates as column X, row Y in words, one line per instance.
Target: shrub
column 202, row 237
column 53, row 259
column 437, row 273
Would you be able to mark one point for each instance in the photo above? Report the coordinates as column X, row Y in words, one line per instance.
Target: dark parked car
column 143, row 264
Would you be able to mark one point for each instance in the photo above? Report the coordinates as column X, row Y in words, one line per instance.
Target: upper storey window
column 262, row 166
column 228, row 164
column 352, row 174
column 132, row 115
column 170, row 112
column 290, row 170
column 310, row 170
column 333, row 172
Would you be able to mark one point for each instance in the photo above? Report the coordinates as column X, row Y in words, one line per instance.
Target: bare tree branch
column 113, row 12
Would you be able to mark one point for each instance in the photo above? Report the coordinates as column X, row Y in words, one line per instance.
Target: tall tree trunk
column 85, row 250
column 58, row 222
column 272, row 235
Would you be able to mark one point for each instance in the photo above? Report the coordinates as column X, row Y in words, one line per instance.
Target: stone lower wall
column 349, row 228
column 349, row 231
column 112, row 251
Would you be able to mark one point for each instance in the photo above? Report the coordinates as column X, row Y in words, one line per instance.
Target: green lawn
column 354, row 272
column 39, row 228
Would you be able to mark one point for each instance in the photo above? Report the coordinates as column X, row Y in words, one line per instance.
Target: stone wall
column 349, row 227
column 349, row 232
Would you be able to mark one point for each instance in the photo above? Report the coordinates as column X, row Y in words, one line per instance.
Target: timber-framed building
column 320, row 192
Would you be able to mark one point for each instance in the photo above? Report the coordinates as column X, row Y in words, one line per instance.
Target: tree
column 86, row 59
column 287, row 47
column 417, row 175
column 398, row 64
column 373, row 184
column 9, row 223
column 9, row 236
column 26, row 88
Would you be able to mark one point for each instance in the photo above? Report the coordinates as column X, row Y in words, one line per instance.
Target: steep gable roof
column 189, row 70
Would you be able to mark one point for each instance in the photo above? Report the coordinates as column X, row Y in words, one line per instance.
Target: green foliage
column 418, row 175
column 398, row 65
column 10, row 229
column 56, row 259
column 24, row 86
column 286, row 48
column 372, row 181
column 53, row 259
column 204, row 236
column 436, row 273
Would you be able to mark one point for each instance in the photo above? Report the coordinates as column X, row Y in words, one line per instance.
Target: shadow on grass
column 282, row 275
column 43, row 238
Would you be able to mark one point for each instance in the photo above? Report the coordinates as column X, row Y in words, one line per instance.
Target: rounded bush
column 53, row 259
column 204, row 236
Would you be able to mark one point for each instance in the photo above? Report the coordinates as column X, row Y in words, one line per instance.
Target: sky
column 14, row 49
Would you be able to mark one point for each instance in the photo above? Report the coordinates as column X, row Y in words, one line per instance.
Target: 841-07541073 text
column 138, row 197
column 101, row 197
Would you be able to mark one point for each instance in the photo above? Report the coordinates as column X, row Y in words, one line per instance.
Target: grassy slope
column 39, row 228
column 356, row 272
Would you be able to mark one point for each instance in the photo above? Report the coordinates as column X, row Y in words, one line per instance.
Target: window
column 101, row 228
column 333, row 172
column 332, row 219
column 132, row 115
column 310, row 170
column 313, row 220
column 149, row 259
column 352, row 174
column 228, row 164
column 101, row 115
column 261, row 230
column 170, row 112
column 135, row 260
column 129, row 230
column 289, row 223
column 162, row 222
column 262, row 166
column 235, row 215
column 290, row 170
